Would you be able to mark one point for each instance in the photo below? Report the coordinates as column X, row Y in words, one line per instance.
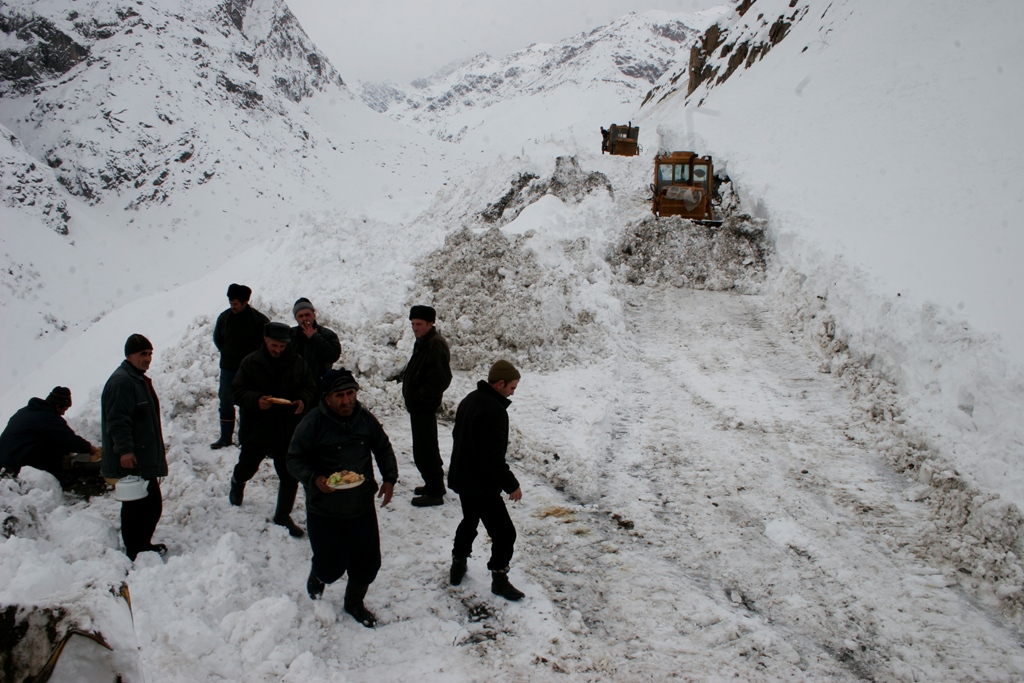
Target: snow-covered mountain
column 153, row 124
column 607, row 69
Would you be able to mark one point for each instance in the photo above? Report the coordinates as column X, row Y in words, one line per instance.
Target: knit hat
column 301, row 304
column 343, row 380
column 423, row 313
column 60, row 396
column 278, row 332
column 239, row 293
column 502, row 370
column 136, row 343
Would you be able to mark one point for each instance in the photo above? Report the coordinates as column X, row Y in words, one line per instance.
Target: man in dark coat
column 319, row 346
column 237, row 333
column 133, row 443
column 424, row 381
column 336, row 436
column 478, row 473
column 38, row 436
column 273, row 389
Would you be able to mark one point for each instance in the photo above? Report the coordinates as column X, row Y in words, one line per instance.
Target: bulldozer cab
column 683, row 186
column 620, row 140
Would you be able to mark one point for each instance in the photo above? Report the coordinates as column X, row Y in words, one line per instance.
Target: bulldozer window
column 700, row 174
column 673, row 173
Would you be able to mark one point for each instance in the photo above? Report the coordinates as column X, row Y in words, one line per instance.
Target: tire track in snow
column 768, row 537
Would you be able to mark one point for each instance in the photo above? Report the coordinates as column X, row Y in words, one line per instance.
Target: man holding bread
column 332, row 453
column 273, row 390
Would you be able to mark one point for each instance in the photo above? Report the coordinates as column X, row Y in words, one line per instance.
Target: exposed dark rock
column 48, row 53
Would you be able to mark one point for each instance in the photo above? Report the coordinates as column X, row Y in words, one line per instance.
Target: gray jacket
column 130, row 419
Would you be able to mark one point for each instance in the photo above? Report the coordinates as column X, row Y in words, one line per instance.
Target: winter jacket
column 39, row 437
column 480, row 440
column 319, row 351
column 260, row 374
column 427, row 374
column 325, row 443
column 130, row 418
column 236, row 335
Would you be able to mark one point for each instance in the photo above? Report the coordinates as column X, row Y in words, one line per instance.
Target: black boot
column 283, row 516
column 237, row 492
column 227, row 429
column 354, row 594
column 314, row 586
column 458, row 570
column 501, row 586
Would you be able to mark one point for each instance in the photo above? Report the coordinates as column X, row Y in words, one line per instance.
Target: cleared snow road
column 726, row 514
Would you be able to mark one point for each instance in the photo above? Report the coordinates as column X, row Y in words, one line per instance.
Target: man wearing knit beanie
column 237, row 333
column 424, row 381
column 319, row 346
column 479, row 473
column 133, row 443
column 38, row 436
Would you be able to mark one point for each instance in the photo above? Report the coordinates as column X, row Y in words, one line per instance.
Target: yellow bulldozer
column 683, row 186
column 620, row 140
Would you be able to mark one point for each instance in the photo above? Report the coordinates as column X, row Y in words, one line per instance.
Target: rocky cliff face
column 112, row 96
column 26, row 185
column 732, row 44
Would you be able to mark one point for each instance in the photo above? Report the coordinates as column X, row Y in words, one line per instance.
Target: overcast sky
column 407, row 39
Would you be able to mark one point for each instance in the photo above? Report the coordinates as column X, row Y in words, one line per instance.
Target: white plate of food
column 345, row 480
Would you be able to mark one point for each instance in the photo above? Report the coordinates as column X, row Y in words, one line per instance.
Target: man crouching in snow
column 337, row 436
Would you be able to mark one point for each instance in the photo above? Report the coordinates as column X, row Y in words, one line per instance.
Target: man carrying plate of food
column 332, row 453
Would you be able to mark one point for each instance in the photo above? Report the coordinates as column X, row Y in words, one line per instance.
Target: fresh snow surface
column 719, row 483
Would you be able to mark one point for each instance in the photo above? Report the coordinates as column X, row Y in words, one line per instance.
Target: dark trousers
column 341, row 545
column 489, row 509
column 425, row 452
column 227, row 406
column 249, row 460
column 139, row 519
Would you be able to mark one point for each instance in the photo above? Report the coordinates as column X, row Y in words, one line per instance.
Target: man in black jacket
column 424, row 381
column 319, row 346
column 273, row 389
column 336, row 436
column 478, row 473
column 133, row 443
column 237, row 333
column 38, row 436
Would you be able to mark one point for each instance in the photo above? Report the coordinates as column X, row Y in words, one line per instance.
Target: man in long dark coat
column 273, row 390
column 237, row 333
column 133, row 443
column 424, row 381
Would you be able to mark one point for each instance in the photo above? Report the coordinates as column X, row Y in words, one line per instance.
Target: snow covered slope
column 164, row 123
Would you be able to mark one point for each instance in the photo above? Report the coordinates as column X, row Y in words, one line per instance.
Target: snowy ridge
column 622, row 60
column 115, row 123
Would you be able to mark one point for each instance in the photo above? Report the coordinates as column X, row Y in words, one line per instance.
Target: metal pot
column 131, row 488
